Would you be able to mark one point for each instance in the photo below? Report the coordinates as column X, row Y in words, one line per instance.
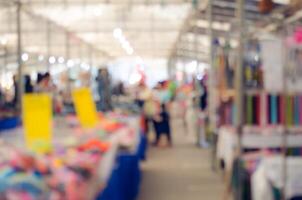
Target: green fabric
column 240, row 181
column 249, row 109
column 289, row 111
column 277, row 194
column 172, row 87
column 195, row 3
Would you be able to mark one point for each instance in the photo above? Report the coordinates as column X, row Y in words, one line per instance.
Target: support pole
column 211, row 84
column 48, row 41
column 90, row 56
column 67, row 57
column 240, row 64
column 239, row 83
column 19, row 56
column 67, row 46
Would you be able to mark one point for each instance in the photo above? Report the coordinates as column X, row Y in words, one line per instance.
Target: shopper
column 161, row 119
column 39, row 78
column 28, row 86
column 45, row 84
column 104, row 89
column 203, row 96
column 2, row 99
column 16, row 91
column 161, row 123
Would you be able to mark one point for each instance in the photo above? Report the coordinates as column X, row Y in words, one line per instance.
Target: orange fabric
column 109, row 125
column 95, row 144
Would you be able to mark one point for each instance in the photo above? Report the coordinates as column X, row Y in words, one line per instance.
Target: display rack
column 252, row 106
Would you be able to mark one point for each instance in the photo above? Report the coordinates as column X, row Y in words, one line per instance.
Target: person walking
column 104, row 89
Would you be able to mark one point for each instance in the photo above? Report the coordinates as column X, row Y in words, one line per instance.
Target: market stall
column 97, row 163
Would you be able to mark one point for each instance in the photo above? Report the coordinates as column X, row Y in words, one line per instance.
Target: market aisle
column 178, row 173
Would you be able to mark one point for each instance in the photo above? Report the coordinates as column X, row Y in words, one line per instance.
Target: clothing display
column 269, row 175
column 270, row 109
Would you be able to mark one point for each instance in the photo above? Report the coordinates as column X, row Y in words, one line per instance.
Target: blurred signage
column 37, row 121
column 85, row 107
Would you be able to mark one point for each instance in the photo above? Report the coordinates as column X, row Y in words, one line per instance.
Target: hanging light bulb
column 61, row 60
column 4, row 41
column 24, row 57
column 117, row 33
column 41, row 58
column 52, row 60
column 70, row 63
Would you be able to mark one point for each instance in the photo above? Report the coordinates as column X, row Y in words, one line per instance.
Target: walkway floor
column 179, row 173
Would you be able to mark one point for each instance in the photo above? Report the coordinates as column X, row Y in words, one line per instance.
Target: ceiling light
column 117, row 33
column 85, row 66
column 4, row 41
column 25, row 57
column 52, row 60
column 41, row 58
column 97, row 12
column 70, row 63
column 61, row 60
column 130, row 51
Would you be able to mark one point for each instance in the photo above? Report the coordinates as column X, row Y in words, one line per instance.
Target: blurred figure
column 39, row 78
column 203, row 96
column 191, row 117
column 143, row 94
column 120, row 89
column 161, row 119
column 2, row 98
column 45, row 84
column 161, row 122
column 28, row 86
column 16, row 91
column 145, row 103
column 104, row 89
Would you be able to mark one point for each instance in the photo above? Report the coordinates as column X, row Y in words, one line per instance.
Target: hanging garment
column 270, row 171
column 296, row 111
column 258, row 110
column 274, row 107
column 269, row 109
column 264, row 104
column 300, row 110
column 227, row 143
column 279, row 118
column 282, row 109
column 261, row 188
column 249, row 109
column 241, row 184
column 289, row 110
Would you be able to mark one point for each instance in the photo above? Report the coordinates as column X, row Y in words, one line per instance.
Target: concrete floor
column 179, row 173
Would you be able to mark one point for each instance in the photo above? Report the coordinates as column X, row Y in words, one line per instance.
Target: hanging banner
column 37, row 122
column 85, row 107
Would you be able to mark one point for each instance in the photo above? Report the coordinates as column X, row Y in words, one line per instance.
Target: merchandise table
column 117, row 175
column 254, row 138
column 9, row 123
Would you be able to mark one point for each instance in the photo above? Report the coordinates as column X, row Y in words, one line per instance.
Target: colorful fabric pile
column 72, row 171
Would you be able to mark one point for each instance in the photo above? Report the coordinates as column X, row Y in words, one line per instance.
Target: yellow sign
column 85, row 107
column 37, row 122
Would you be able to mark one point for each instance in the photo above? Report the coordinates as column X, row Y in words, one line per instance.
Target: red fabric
column 143, row 124
column 95, row 144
